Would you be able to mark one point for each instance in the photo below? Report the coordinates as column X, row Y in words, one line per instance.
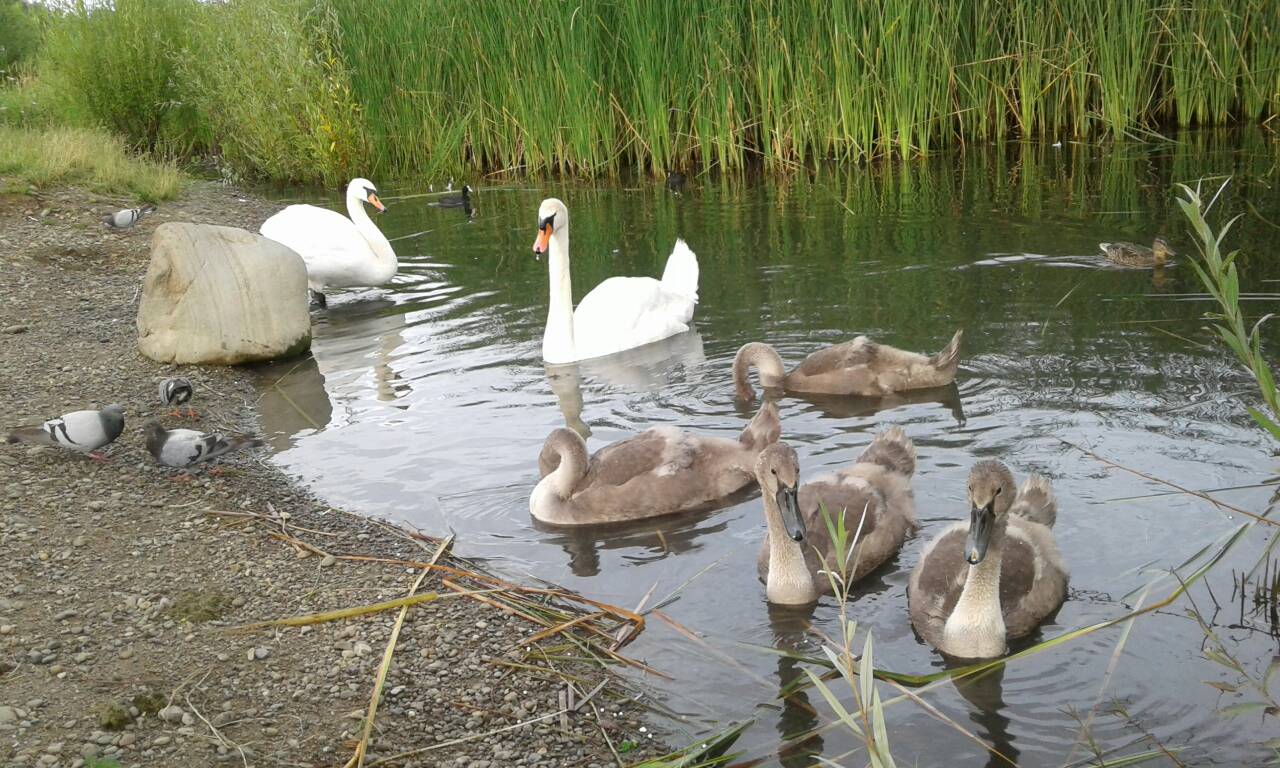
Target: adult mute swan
column 339, row 252
column 618, row 314
column 995, row 578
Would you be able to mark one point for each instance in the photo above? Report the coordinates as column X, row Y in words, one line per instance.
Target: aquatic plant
column 309, row 89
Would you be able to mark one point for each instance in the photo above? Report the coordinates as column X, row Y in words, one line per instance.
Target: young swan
column 661, row 471
column 1139, row 256
column 859, row 367
column 874, row 492
column 997, row 578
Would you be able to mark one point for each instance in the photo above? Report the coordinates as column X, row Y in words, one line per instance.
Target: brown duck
column 1138, row 256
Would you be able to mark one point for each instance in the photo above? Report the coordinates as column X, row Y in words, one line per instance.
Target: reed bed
column 304, row 90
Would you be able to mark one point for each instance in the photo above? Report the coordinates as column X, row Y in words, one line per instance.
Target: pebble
column 258, row 653
column 15, row 329
column 172, row 713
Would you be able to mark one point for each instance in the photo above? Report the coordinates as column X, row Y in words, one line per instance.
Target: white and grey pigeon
column 80, row 431
column 183, row 447
column 178, row 391
column 127, row 218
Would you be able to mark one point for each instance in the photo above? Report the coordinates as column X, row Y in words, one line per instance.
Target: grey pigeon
column 81, row 431
column 178, row 391
column 183, row 447
column 127, row 218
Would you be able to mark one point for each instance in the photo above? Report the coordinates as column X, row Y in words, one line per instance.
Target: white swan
column 339, row 252
column 620, row 313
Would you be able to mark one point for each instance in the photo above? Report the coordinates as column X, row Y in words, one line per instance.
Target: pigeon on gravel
column 178, row 391
column 127, row 218
column 183, row 447
column 80, row 431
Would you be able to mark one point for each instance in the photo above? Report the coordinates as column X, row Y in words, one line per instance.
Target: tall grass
column 89, row 157
column 300, row 89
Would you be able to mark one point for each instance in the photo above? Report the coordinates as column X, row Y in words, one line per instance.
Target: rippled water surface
column 428, row 402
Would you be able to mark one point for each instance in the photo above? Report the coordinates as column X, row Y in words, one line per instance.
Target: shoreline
column 122, row 585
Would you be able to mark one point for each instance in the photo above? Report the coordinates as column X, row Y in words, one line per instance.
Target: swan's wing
column 1036, row 502
column 625, row 312
column 893, row 450
column 316, row 234
column 937, row 581
column 850, row 354
column 655, row 451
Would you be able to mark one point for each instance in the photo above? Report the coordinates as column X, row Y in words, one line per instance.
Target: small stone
column 161, row 741
column 172, row 714
column 126, row 653
column 361, row 648
column 15, row 329
column 90, row 750
column 258, row 653
column 327, row 561
column 6, row 629
column 126, row 739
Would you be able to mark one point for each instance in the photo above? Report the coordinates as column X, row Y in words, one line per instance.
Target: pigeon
column 127, row 218
column 178, row 391
column 80, row 431
column 183, row 447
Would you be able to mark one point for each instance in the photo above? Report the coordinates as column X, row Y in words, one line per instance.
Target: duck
column 873, row 494
column 619, row 313
column 994, row 579
column 1138, row 256
column 859, row 367
column 661, row 471
column 339, row 252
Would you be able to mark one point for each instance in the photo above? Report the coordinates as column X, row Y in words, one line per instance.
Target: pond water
column 428, row 402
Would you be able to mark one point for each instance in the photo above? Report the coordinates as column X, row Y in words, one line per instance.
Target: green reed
column 314, row 89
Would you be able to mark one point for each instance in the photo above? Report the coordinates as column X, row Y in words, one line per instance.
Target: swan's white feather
column 625, row 312
column 336, row 254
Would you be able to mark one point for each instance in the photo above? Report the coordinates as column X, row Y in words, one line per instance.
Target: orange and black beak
column 375, row 202
column 545, row 228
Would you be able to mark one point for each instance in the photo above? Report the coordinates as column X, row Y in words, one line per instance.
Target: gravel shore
column 119, row 583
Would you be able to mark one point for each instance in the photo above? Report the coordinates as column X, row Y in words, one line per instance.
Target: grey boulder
column 222, row 295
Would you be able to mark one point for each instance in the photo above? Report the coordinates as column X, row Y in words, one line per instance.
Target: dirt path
column 118, row 584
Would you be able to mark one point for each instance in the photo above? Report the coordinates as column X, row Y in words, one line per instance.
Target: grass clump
column 197, row 607
column 149, row 702
column 114, row 716
column 88, row 157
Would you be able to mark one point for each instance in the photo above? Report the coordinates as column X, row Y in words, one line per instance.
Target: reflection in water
column 642, row 369
column 642, row 541
column 798, row 722
column 294, row 402
column 985, row 692
column 852, row 407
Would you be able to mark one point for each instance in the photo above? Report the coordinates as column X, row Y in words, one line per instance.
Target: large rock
column 222, row 295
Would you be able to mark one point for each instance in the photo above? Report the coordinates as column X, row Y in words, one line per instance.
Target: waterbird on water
column 873, row 495
column 858, row 367
column 1138, row 256
column 619, row 313
column 982, row 583
column 339, row 252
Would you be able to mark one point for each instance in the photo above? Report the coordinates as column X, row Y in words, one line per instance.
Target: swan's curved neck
column 789, row 581
column 573, row 465
column 557, row 339
column 975, row 628
column 384, row 254
column 765, row 359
